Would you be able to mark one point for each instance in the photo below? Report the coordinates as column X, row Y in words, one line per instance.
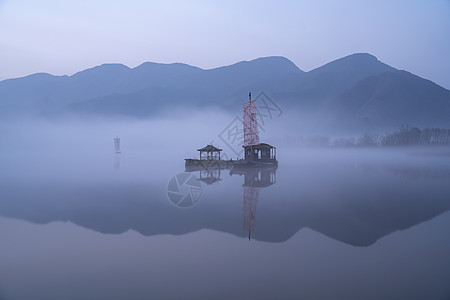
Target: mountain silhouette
column 354, row 92
column 327, row 81
column 389, row 99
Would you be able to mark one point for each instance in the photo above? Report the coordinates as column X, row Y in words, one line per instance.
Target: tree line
column 405, row 136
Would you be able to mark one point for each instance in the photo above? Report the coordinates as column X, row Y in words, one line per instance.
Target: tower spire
column 251, row 135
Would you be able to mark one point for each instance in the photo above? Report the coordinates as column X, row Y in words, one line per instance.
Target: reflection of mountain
column 354, row 204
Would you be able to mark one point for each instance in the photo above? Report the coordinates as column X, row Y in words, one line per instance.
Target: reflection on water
column 420, row 172
column 251, row 195
column 353, row 204
column 255, row 178
column 209, row 176
column 117, row 161
column 355, row 201
column 329, row 224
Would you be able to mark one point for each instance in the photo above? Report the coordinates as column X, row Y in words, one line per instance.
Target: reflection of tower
column 251, row 195
column 254, row 180
column 117, row 144
column 251, row 136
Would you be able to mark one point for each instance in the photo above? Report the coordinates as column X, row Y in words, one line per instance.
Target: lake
column 81, row 222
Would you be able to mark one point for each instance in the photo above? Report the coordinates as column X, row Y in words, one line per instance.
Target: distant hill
column 354, row 92
column 386, row 100
column 326, row 82
column 44, row 92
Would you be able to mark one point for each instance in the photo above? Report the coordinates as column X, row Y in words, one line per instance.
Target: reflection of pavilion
column 254, row 180
column 209, row 175
column 257, row 177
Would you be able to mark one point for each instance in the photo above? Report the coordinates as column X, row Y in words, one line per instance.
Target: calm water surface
column 326, row 224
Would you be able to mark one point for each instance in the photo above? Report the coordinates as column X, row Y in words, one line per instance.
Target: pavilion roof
column 209, row 148
column 259, row 146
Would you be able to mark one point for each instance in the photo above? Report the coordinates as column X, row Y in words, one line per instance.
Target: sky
column 63, row 37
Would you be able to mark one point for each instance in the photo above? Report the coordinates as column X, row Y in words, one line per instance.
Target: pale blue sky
column 63, row 37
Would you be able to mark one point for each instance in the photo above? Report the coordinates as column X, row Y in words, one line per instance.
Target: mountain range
column 354, row 92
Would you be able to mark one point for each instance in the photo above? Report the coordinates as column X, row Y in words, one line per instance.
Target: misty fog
column 60, row 173
column 125, row 172
column 82, row 148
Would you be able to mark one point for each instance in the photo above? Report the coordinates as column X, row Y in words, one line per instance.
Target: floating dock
column 199, row 164
column 256, row 154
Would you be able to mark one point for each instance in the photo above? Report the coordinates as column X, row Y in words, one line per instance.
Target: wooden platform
column 254, row 164
column 202, row 164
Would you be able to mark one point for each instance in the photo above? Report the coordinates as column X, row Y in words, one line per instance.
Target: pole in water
column 249, row 97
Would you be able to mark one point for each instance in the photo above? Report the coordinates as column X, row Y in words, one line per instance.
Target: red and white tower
column 251, row 136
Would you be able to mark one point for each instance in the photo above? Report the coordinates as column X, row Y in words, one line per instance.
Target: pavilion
column 261, row 152
column 212, row 153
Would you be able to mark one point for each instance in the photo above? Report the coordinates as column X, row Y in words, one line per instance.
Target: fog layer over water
column 78, row 221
